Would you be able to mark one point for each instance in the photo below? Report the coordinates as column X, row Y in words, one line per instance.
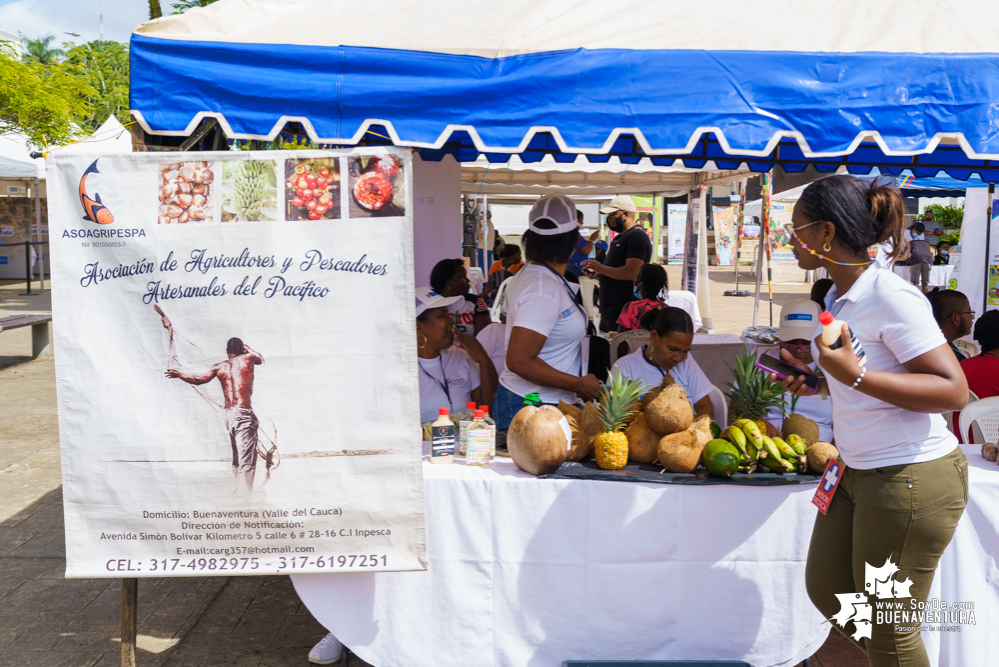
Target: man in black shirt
column 630, row 249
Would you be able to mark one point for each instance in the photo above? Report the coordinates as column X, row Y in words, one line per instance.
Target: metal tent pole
column 38, row 236
column 988, row 239
column 738, row 237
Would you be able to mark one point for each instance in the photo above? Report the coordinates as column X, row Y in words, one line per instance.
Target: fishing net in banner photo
column 185, row 356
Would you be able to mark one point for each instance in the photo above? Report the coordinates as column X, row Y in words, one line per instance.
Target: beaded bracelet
column 863, row 370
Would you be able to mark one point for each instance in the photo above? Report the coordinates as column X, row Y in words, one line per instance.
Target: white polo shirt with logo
column 894, row 323
column 459, row 372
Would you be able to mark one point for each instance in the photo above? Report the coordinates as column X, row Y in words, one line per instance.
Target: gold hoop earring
column 424, row 343
column 826, row 247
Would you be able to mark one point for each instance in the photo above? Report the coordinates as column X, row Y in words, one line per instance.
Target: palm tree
column 39, row 51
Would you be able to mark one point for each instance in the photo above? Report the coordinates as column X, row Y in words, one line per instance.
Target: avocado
column 721, row 458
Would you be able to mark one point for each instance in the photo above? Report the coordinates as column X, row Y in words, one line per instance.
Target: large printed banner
column 676, row 232
column 236, row 364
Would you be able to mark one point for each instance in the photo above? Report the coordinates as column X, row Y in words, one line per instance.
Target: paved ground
column 49, row 621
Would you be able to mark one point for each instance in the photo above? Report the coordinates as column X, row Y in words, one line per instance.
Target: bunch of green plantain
column 249, row 186
column 758, row 449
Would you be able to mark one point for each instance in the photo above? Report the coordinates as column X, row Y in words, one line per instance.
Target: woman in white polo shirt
column 450, row 377
column 545, row 322
column 904, row 482
column 671, row 333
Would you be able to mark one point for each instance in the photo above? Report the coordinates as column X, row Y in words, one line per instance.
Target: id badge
column 828, row 485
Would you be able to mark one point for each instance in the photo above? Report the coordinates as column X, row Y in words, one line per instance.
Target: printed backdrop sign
column 236, row 363
column 676, row 232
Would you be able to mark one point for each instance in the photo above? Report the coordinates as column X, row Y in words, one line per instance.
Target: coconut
column 643, row 442
column 800, row 425
column 580, row 445
column 652, row 393
column 700, row 428
column 590, row 425
column 536, row 440
column 670, row 411
column 819, row 455
column 679, row 452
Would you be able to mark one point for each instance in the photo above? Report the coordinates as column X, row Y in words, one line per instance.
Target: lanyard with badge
column 442, row 385
column 573, row 296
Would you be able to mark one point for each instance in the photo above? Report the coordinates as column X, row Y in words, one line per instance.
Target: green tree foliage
column 104, row 67
column 40, row 51
column 155, row 11
column 182, row 6
column 949, row 217
column 41, row 101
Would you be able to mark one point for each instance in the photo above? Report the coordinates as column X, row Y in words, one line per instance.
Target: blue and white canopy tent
column 786, row 83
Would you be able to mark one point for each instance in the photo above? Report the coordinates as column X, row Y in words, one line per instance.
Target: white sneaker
column 327, row 651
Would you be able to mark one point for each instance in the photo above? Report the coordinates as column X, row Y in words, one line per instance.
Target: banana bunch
column 758, row 449
column 249, row 185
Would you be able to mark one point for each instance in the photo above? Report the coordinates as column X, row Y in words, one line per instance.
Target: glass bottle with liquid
column 479, row 441
column 442, row 444
column 832, row 334
column 463, row 428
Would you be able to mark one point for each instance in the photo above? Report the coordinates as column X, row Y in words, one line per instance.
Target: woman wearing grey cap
column 545, row 322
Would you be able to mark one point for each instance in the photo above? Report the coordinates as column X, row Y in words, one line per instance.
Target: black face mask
column 615, row 222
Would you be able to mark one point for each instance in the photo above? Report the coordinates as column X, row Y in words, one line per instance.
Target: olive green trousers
column 907, row 513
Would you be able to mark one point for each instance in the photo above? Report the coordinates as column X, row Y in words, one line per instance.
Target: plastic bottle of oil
column 479, row 445
column 492, row 427
column 832, row 333
column 442, row 445
column 463, row 428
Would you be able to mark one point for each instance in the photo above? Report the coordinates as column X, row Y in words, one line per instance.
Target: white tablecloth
column 527, row 572
column 939, row 274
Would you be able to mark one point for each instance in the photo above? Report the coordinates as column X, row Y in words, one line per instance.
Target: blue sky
column 34, row 18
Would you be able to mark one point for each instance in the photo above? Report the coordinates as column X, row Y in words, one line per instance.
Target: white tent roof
column 17, row 169
column 585, row 179
column 490, row 29
column 111, row 137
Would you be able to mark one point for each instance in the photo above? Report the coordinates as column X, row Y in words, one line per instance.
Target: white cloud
column 35, row 18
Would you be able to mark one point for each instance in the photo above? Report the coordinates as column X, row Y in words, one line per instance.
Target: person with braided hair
column 902, row 479
column 652, row 288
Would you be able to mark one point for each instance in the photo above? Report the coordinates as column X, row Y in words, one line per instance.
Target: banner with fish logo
column 236, row 362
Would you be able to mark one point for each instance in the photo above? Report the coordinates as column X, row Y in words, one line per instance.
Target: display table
column 528, row 572
column 939, row 274
column 532, row 572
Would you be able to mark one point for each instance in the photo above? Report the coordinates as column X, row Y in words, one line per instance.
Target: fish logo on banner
column 93, row 209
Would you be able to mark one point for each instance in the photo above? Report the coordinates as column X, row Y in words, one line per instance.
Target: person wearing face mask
column 671, row 333
column 449, row 277
column 943, row 254
column 799, row 324
column 629, row 251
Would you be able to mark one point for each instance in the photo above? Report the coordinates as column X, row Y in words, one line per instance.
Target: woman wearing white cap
column 799, row 324
column 449, row 377
column 545, row 322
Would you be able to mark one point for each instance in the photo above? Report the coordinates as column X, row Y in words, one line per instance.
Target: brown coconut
column 679, row 452
column 591, row 425
column 536, row 440
column 643, row 442
column 802, row 426
column 700, row 428
column 670, row 411
column 651, row 395
column 580, row 445
column 819, row 455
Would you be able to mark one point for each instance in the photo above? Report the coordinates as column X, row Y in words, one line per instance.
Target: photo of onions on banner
column 312, row 189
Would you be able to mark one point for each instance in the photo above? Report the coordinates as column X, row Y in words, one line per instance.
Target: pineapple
column 752, row 395
column 618, row 402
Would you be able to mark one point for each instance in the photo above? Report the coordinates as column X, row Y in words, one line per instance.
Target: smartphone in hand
column 783, row 370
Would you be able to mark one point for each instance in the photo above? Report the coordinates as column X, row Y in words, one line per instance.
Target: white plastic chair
column 720, row 404
column 966, row 347
column 586, row 287
column 635, row 339
column 982, row 418
column 499, row 301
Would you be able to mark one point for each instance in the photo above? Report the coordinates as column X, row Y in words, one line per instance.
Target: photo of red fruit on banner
column 377, row 186
column 312, row 189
